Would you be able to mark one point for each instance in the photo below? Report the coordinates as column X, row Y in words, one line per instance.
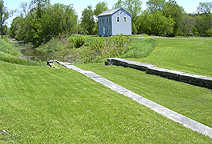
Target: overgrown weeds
column 100, row 48
column 85, row 49
column 53, row 46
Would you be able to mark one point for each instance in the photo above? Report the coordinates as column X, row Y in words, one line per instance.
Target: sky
column 79, row 5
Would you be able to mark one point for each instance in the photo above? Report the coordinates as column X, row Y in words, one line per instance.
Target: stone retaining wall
column 197, row 80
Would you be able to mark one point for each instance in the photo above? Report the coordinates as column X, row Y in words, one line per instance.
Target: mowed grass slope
column 191, row 55
column 43, row 105
column 191, row 101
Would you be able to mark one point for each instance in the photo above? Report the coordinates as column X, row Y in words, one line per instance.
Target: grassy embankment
column 10, row 53
column 191, row 55
column 87, row 49
column 44, row 105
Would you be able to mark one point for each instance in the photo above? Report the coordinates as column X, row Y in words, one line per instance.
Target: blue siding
column 111, row 27
column 121, row 27
column 105, row 25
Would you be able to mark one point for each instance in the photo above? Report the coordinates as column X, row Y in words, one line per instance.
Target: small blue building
column 114, row 22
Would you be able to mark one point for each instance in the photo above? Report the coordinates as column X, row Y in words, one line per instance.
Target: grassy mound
column 43, row 105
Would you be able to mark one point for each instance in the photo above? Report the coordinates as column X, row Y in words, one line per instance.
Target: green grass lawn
column 44, row 105
column 191, row 55
column 191, row 101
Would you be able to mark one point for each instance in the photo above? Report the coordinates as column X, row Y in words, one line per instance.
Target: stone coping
column 193, row 79
column 170, row 114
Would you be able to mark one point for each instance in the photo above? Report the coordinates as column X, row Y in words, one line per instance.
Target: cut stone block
column 197, row 80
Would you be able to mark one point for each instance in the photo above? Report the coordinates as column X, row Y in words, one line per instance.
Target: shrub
column 53, row 46
column 79, row 41
column 208, row 33
column 76, row 41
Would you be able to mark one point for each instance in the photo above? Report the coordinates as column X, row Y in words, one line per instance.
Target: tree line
column 40, row 21
column 43, row 21
column 161, row 17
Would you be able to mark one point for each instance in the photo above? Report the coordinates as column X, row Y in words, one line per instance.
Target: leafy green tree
column 4, row 15
column 155, row 5
column 16, row 24
column 199, row 26
column 37, row 6
column 87, row 21
column 119, row 4
column 134, row 7
column 186, row 25
column 55, row 20
column 173, row 10
column 34, row 26
column 205, row 7
column 155, row 23
column 24, row 8
column 100, row 8
column 58, row 19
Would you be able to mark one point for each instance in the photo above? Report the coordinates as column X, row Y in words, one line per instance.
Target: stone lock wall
column 197, row 80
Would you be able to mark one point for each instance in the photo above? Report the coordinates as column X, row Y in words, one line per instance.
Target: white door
column 103, row 30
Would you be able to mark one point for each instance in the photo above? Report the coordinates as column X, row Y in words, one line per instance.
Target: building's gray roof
column 109, row 12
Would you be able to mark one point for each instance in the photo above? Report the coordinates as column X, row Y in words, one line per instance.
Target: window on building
column 117, row 19
column 107, row 20
column 125, row 19
column 103, row 20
